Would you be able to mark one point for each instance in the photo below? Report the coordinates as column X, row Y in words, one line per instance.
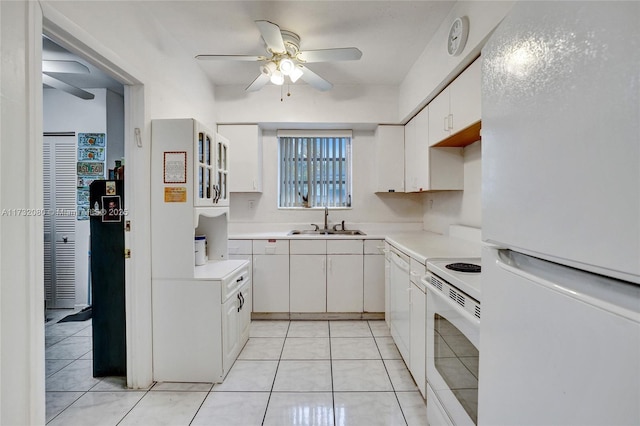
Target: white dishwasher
column 399, row 303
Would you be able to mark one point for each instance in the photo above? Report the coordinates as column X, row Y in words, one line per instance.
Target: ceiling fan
column 52, row 69
column 285, row 59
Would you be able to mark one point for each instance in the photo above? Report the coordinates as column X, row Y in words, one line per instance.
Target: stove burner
column 464, row 267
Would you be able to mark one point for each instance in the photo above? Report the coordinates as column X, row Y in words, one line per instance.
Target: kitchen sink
column 326, row 232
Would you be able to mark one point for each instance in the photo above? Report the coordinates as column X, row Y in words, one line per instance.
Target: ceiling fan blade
column 68, row 67
column 247, row 58
column 258, row 83
column 272, row 36
column 73, row 90
column 314, row 80
column 329, row 55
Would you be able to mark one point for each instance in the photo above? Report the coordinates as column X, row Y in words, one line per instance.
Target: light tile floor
column 340, row 373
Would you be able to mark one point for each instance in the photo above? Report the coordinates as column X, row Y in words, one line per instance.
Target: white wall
column 22, row 383
column 368, row 207
column 342, row 104
column 175, row 86
column 434, row 69
column 444, row 208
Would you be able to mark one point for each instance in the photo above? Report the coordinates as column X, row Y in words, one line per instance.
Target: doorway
column 79, row 99
column 136, row 150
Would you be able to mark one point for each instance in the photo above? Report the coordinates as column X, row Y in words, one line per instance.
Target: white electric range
column 453, row 339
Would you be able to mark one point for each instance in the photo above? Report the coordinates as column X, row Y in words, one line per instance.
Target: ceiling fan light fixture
column 269, row 68
column 286, row 66
column 277, row 78
column 295, row 74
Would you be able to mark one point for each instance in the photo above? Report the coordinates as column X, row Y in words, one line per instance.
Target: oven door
column 452, row 354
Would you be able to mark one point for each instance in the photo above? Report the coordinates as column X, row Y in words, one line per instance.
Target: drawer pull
column 240, row 279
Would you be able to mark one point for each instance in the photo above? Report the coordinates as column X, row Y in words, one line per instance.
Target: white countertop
column 277, row 235
column 423, row 246
column 420, row 245
column 217, row 269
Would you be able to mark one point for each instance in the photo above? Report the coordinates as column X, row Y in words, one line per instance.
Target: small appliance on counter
column 452, row 340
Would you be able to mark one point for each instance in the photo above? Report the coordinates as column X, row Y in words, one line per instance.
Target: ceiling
column 390, row 34
column 95, row 79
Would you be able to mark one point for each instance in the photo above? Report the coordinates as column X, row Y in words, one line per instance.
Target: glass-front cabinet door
column 211, row 170
column 222, row 163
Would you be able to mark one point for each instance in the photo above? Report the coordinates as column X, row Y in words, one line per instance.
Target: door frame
column 138, row 157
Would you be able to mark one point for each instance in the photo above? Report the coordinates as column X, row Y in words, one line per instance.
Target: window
column 315, row 170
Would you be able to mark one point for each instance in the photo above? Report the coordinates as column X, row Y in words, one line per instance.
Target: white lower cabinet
column 344, row 282
column 236, row 317
column 270, row 276
column 308, row 283
column 418, row 337
column 326, row 276
column 199, row 326
column 315, row 275
column 374, row 276
column 270, row 283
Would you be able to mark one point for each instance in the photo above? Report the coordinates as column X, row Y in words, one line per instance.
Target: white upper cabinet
column 390, row 158
column 429, row 168
column 245, row 141
column 416, row 153
column 457, row 108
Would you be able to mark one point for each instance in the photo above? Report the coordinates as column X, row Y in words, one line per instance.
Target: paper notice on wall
column 175, row 194
column 175, row 167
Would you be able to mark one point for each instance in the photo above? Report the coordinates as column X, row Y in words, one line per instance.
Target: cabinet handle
column 450, row 121
column 240, row 279
column 239, row 301
column 446, row 124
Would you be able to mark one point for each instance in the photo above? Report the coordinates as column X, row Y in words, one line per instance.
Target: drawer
column 240, row 247
column 344, row 247
column 271, row 246
column 308, row 246
column 418, row 270
column 373, row 246
column 234, row 281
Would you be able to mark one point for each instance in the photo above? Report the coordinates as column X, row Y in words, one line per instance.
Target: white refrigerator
column 560, row 328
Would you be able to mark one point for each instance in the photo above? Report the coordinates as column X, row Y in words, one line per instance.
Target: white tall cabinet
column 200, row 313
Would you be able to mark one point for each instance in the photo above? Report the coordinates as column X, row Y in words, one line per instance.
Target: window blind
column 315, row 171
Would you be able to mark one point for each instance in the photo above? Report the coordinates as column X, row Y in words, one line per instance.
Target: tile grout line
column 333, row 392
column 266, row 409
column 395, row 394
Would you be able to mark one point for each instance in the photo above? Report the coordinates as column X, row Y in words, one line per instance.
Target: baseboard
column 317, row 316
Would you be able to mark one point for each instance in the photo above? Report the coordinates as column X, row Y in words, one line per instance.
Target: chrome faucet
column 326, row 218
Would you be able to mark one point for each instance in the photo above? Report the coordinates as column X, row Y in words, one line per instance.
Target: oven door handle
column 451, row 303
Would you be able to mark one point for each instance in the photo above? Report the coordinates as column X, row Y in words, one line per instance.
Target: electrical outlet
column 252, row 204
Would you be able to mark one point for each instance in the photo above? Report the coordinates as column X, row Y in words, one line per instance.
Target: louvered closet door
column 59, row 224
